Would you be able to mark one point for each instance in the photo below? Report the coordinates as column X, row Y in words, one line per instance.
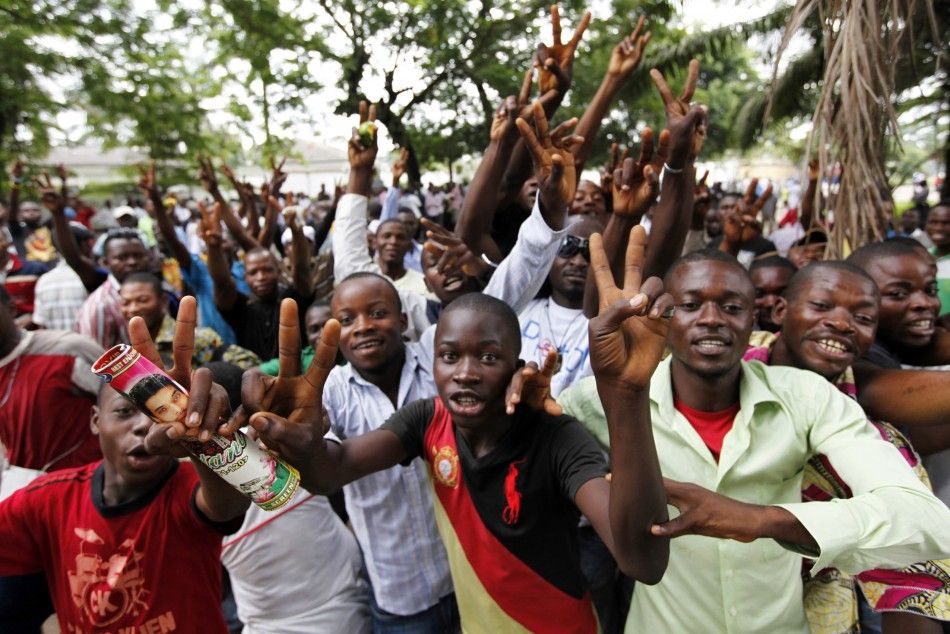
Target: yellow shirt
column 786, row 415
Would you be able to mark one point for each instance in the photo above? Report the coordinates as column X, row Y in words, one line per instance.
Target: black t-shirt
column 255, row 321
column 523, row 491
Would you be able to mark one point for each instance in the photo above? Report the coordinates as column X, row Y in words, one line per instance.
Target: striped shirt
column 391, row 511
column 101, row 315
column 59, row 295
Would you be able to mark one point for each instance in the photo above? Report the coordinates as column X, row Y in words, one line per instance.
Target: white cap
column 308, row 232
column 123, row 210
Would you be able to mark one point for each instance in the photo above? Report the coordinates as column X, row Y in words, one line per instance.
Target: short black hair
column 817, row 268
column 317, row 303
column 705, row 255
column 143, row 277
column 5, row 296
column 256, row 250
column 122, row 233
column 773, row 261
column 147, row 387
column 390, row 221
column 486, row 304
column 376, row 276
column 894, row 247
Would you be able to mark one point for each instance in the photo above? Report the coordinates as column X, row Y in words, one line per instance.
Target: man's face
column 769, row 282
column 713, row 318
column 315, row 319
column 410, row 222
column 802, row 256
column 392, row 242
column 830, row 322
column 589, row 201
column 713, row 223
column 909, row 302
column 371, row 322
column 568, row 274
column 727, row 205
column 128, row 221
column 910, row 220
column 30, row 213
column 938, row 226
column 474, row 361
column 121, row 429
column 529, row 191
column 124, row 256
column 261, row 275
column 140, row 300
column 168, row 405
column 449, row 284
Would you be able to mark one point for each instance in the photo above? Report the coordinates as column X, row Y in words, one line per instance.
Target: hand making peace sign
column 553, row 158
column 628, row 334
column 287, row 410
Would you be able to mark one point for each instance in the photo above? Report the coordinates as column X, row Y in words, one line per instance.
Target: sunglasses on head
column 573, row 244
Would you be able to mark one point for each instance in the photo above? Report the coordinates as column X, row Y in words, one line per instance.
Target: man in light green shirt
column 737, row 545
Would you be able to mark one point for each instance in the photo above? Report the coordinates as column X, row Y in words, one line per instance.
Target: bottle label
column 267, row 480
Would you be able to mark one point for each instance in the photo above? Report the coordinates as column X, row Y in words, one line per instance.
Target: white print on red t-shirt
column 106, row 590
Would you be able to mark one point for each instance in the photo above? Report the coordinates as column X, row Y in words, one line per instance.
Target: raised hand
column 703, row 512
column 16, row 172
column 452, row 251
column 616, row 160
column 629, row 333
column 503, row 123
column 686, row 124
column 531, row 386
column 553, row 158
column 278, row 176
column 636, row 183
column 813, row 170
column 62, row 173
column 209, row 225
column 52, row 198
column 556, row 61
column 207, row 404
column 399, row 166
column 207, row 176
column 287, row 410
column 627, row 54
column 362, row 154
column 750, row 206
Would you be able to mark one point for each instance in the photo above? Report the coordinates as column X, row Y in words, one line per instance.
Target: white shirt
column 391, row 511
column 59, row 294
column 350, row 256
column 547, row 326
column 317, row 586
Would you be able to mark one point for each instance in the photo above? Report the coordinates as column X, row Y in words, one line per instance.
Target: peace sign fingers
column 183, row 343
column 607, row 289
column 288, row 340
column 633, row 261
column 692, row 77
column 555, row 25
column 571, row 46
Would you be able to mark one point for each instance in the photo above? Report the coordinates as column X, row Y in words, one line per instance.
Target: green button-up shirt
column 786, row 415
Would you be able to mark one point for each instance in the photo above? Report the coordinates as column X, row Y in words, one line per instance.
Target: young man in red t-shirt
column 131, row 542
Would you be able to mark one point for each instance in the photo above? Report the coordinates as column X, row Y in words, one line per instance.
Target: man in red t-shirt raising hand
column 132, row 541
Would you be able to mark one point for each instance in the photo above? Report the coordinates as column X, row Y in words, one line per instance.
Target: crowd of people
column 536, row 403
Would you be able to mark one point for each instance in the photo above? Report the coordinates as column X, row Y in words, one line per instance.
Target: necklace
column 567, row 331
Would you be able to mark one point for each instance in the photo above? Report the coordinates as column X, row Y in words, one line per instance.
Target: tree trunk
column 451, row 179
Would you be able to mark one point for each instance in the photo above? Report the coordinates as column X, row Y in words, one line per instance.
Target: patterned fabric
column 208, row 347
column 830, row 600
column 101, row 315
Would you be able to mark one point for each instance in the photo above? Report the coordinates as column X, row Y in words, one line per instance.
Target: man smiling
column 742, row 433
